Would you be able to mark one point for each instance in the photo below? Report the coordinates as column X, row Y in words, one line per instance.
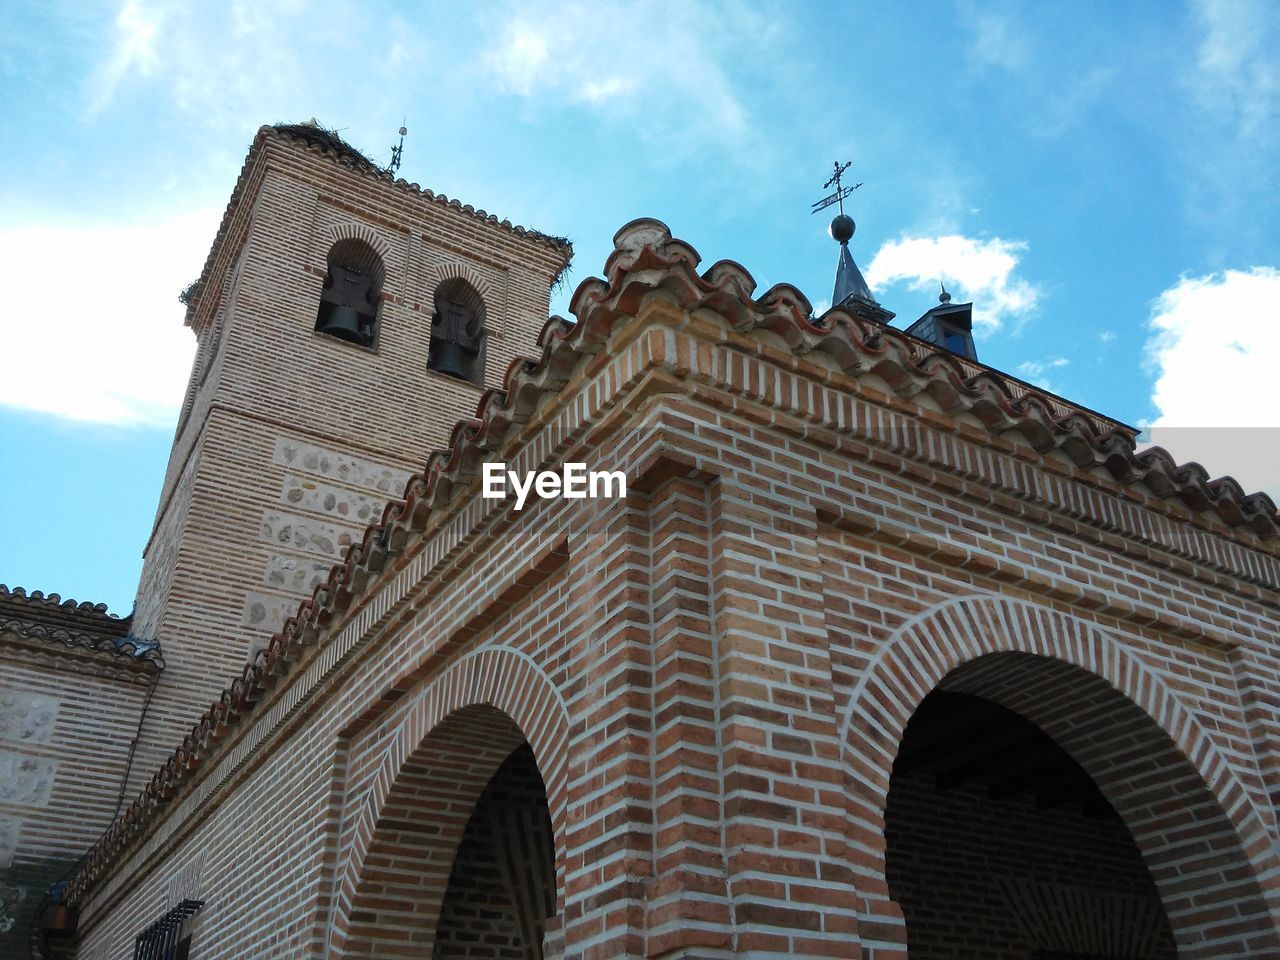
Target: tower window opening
column 458, row 332
column 349, row 299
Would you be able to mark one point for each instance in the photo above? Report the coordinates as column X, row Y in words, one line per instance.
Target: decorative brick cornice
column 79, row 635
column 647, row 262
column 336, row 150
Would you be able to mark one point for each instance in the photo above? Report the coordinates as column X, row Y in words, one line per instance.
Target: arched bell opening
column 1034, row 811
column 461, row 861
column 352, row 287
column 458, row 334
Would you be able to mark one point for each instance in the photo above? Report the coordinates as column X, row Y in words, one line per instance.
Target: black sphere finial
column 842, row 227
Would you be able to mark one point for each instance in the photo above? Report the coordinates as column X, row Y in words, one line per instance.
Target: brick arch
column 443, row 749
column 1118, row 718
column 352, row 230
column 444, row 271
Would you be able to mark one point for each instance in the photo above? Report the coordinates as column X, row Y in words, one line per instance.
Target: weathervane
column 851, row 286
column 841, row 192
column 396, row 151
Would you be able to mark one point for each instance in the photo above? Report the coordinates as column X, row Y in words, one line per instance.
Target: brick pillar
column 689, row 913
column 706, row 808
column 790, row 885
column 1260, row 696
column 608, row 815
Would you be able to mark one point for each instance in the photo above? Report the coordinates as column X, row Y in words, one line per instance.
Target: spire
column 849, row 279
column 851, row 290
column 850, row 285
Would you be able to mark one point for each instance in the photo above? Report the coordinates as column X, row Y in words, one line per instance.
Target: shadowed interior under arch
column 502, row 886
column 461, row 863
column 1001, row 847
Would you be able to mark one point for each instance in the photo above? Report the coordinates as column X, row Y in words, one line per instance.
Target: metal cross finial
column 841, row 192
column 398, row 151
column 840, row 168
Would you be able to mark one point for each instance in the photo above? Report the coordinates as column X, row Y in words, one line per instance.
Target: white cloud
column 598, row 91
column 661, row 60
column 1237, row 71
column 996, row 38
column 94, row 331
column 1231, row 82
column 520, row 64
column 1213, row 343
column 1034, row 371
column 233, row 65
column 979, row 270
column 136, row 29
column 670, row 71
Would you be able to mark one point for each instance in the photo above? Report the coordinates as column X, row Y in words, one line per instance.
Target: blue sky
column 1098, row 178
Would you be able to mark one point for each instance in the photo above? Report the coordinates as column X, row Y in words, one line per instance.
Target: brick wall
column 714, row 675
column 66, row 726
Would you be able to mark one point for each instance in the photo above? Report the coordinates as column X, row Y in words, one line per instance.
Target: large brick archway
column 1203, row 842
column 406, row 816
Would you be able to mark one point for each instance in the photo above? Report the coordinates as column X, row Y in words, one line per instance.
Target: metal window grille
column 164, row 939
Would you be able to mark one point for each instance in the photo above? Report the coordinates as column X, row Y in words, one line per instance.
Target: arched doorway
column 461, row 861
column 1001, row 847
column 1198, row 833
column 502, row 887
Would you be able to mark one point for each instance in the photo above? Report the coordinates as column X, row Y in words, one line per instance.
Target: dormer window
column 458, row 333
column 349, row 298
column 948, row 325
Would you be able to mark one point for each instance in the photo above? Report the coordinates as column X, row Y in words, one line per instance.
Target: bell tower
column 345, row 320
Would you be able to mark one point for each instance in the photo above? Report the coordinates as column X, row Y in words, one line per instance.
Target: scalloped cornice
column 37, row 599
column 67, row 632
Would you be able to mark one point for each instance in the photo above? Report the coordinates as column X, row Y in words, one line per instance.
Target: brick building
column 73, row 688
column 884, row 653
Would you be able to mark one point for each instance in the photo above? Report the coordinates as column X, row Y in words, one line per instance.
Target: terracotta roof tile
column 86, row 627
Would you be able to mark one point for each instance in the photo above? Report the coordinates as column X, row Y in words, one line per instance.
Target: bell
column 339, row 320
column 450, row 358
